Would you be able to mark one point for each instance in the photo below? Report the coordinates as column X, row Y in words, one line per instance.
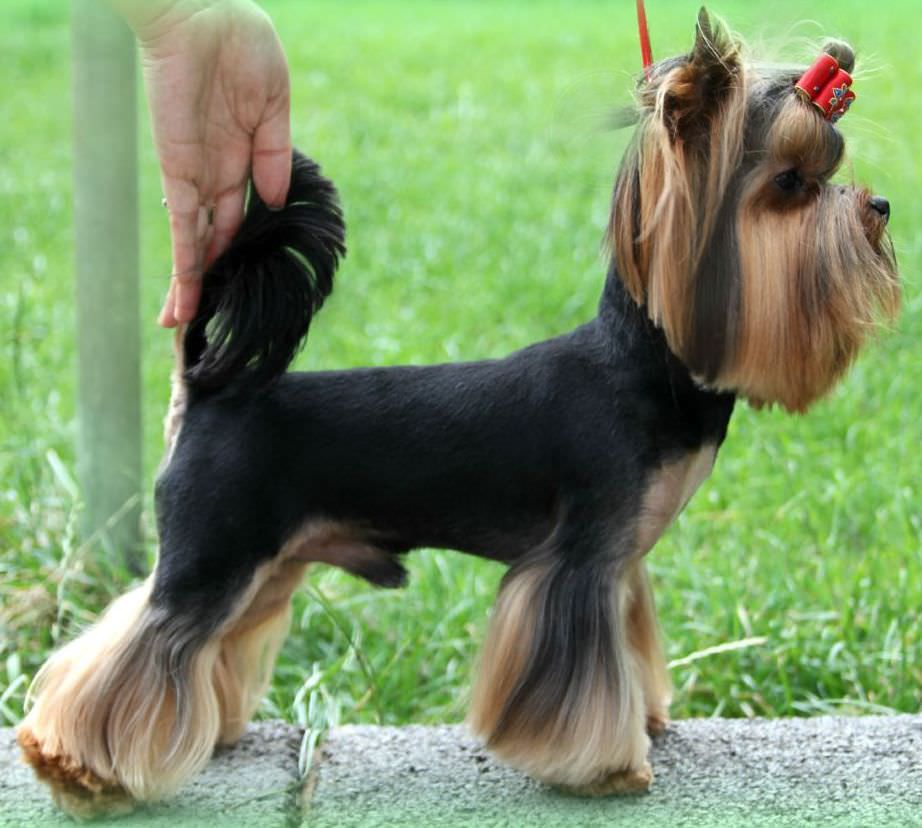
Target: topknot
column 842, row 52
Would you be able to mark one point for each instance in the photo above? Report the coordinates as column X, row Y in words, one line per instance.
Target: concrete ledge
column 837, row 772
column 253, row 785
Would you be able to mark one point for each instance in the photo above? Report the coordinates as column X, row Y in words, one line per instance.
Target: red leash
column 646, row 53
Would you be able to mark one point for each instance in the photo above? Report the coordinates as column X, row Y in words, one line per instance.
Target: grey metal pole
column 106, row 248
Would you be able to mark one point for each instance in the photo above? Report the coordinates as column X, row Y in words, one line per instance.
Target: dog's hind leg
column 134, row 706
column 99, row 697
column 250, row 643
column 560, row 693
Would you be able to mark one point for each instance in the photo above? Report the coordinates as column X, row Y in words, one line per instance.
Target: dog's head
column 765, row 274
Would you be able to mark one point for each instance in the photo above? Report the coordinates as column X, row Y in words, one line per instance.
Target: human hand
column 218, row 89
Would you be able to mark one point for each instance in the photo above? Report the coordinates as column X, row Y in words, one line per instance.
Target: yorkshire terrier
column 738, row 269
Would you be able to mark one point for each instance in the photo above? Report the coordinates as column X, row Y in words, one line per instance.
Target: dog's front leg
column 561, row 688
column 644, row 639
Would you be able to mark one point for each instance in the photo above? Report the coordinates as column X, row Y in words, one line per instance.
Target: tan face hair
column 765, row 277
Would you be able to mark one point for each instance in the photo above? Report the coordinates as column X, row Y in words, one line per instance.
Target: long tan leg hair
column 135, row 705
column 560, row 692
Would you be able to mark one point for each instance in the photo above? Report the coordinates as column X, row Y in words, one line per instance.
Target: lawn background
column 465, row 141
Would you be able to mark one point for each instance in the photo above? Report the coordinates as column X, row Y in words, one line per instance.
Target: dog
column 739, row 269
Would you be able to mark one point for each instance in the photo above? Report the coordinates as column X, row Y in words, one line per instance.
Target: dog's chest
column 669, row 488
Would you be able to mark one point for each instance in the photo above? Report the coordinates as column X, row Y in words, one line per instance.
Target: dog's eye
column 789, row 181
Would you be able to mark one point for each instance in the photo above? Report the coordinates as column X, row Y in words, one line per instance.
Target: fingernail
column 275, row 208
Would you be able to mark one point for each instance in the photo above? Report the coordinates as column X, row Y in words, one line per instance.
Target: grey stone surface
column 255, row 784
column 710, row 773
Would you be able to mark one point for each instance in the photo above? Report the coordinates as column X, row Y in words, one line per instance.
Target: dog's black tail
column 258, row 297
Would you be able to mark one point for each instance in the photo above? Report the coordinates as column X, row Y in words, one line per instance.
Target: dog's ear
column 714, row 61
column 711, row 40
column 695, row 91
column 671, row 190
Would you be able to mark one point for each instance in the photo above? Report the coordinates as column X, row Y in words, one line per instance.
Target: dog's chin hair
column 573, row 731
column 134, row 706
column 797, row 337
column 813, row 278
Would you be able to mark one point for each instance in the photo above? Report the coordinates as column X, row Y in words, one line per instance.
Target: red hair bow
column 827, row 87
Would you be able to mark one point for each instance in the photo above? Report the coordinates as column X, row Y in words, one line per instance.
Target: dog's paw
column 618, row 783
column 657, row 723
column 76, row 790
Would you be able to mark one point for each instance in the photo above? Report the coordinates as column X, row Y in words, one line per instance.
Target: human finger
column 228, row 214
column 167, row 318
column 184, row 203
column 272, row 155
column 188, row 281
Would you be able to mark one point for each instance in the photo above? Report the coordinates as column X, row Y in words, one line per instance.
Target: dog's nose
column 881, row 205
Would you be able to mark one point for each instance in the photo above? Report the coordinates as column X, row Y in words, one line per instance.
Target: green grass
column 464, row 140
